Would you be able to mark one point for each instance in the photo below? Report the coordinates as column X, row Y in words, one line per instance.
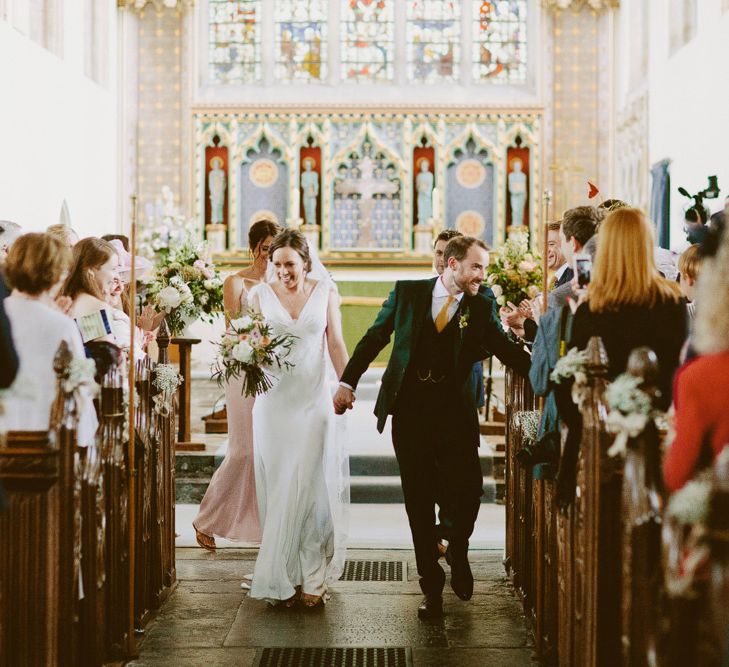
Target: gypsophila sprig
column 630, row 410
column 569, row 366
column 80, row 373
column 514, row 273
column 690, row 504
column 249, row 349
column 186, row 286
column 166, row 381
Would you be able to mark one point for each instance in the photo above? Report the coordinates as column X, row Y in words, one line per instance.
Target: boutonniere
column 463, row 319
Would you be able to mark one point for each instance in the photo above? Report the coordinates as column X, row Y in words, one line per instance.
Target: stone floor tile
column 489, row 621
column 216, row 569
column 347, row 620
column 473, row 657
column 173, row 633
column 185, row 604
column 195, row 657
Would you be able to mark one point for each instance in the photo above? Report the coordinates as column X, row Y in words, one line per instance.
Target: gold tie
column 441, row 319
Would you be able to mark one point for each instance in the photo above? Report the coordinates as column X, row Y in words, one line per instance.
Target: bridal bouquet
column 185, row 285
column 514, row 273
column 248, row 348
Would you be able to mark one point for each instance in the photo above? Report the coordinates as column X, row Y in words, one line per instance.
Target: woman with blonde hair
column 702, row 385
column 629, row 304
column 92, row 276
column 63, row 233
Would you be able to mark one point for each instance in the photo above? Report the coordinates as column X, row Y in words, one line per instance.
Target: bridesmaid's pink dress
column 229, row 508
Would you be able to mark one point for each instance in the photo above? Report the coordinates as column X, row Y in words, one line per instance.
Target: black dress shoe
column 461, row 576
column 431, row 607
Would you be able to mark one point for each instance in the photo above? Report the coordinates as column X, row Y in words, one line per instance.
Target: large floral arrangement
column 514, row 273
column 164, row 227
column 248, row 349
column 185, row 285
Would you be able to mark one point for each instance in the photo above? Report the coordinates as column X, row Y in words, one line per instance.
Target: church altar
column 367, row 187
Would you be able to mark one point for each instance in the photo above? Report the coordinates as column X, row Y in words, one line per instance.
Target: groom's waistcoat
column 433, row 361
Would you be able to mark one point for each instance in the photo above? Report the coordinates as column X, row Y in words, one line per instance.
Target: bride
column 301, row 467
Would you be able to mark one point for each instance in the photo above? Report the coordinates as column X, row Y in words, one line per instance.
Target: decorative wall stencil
column 263, row 173
column 366, row 165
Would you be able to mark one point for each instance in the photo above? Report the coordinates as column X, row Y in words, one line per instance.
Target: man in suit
column 442, row 326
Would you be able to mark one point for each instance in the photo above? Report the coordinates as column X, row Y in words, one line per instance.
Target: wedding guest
column 628, row 303
column 8, row 356
column 702, row 385
column 36, row 266
column 124, row 240
column 229, row 508
column 90, row 281
column 63, row 233
column 689, row 264
column 9, row 231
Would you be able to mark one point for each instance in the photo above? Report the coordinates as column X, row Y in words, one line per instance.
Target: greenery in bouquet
column 185, row 285
column 249, row 350
column 514, row 273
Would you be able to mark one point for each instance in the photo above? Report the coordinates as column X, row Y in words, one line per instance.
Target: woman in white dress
column 301, row 466
column 36, row 266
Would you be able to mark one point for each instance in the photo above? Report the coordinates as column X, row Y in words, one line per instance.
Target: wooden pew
column 64, row 569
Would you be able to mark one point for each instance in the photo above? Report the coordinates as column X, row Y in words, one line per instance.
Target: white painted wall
column 688, row 97
column 58, row 128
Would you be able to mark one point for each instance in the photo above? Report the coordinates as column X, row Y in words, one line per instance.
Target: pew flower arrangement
column 572, row 366
column 166, row 381
column 80, row 377
column 186, row 286
column 630, row 410
column 249, row 349
column 514, row 273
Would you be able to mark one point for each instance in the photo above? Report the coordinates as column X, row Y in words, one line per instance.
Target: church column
column 582, row 99
column 156, row 85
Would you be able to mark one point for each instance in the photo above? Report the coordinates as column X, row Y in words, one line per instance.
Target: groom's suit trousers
column 436, row 462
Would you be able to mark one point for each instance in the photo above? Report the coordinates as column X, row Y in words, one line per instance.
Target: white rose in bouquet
column 243, row 352
column 497, row 290
column 169, row 298
column 242, row 323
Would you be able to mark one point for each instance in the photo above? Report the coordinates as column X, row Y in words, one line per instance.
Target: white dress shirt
column 440, row 296
column 560, row 272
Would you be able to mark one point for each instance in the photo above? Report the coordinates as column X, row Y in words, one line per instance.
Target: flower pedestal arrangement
column 514, row 273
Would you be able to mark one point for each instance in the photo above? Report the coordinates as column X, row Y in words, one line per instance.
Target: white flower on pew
column 80, row 374
column 690, row 504
column 166, row 381
column 572, row 365
column 630, row 411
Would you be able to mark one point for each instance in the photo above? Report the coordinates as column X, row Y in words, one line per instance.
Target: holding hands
column 343, row 400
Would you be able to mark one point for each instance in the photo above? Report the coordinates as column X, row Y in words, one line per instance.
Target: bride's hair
column 290, row 238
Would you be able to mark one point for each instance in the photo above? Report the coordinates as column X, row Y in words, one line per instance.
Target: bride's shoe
column 312, row 601
column 207, row 542
column 293, row 599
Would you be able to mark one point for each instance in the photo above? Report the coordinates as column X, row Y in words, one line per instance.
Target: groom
column 442, row 326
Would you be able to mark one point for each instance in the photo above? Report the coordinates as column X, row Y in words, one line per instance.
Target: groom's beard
column 467, row 285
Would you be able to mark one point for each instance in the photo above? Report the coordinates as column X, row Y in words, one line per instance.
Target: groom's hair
column 459, row 246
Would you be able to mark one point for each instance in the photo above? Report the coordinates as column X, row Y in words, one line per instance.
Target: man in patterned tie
column 442, row 326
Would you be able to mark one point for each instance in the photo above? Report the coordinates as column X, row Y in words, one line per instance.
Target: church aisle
column 209, row 620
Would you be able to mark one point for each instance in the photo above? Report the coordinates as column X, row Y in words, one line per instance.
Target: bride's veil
column 336, row 456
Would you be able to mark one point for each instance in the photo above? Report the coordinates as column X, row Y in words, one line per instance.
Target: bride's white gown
column 301, row 467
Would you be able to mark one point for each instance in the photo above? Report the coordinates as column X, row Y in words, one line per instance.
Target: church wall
column 662, row 88
column 682, row 87
column 59, row 129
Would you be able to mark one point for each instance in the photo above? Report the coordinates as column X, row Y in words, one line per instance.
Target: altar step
column 374, row 478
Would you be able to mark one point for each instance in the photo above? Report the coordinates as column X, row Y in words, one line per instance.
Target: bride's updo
column 291, row 238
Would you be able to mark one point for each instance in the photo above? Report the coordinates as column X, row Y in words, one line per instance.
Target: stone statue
column 310, row 190
column 517, row 192
column 424, row 187
column 216, row 183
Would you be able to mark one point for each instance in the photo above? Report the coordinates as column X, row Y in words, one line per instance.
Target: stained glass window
column 234, row 32
column 433, row 40
column 368, row 33
column 301, row 40
column 500, row 41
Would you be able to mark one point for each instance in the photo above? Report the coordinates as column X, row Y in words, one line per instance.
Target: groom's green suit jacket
column 404, row 313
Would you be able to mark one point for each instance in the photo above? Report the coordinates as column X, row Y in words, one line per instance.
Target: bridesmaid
column 229, row 508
